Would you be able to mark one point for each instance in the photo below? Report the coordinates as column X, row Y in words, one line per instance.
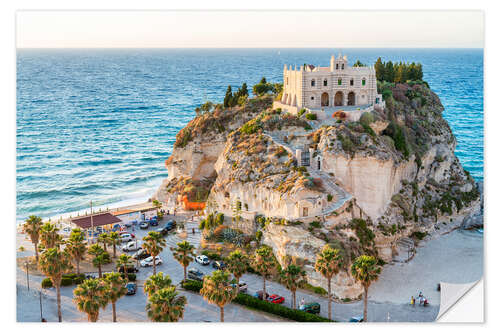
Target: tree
column 184, row 254
column 328, row 263
column 101, row 257
column 53, row 263
column 236, row 208
column 389, row 72
column 49, row 236
column 90, row 296
column 264, row 262
column 365, row 270
column 154, row 244
column 32, row 227
column 217, row 290
column 104, row 240
column 156, row 282
column 124, row 261
column 207, row 106
column 379, row 69
column 77, row 247
column 293, row 277
column 228, row 97
column 114, row 240
column 237, row 263
column 166, row 306
column 359, row 64
column 115, row 289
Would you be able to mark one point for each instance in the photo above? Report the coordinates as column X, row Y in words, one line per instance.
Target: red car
column 277, row 299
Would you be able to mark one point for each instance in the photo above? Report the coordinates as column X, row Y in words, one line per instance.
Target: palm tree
column 101, row 257
column 328, row 263
column 156, row 282
column 365, row 270
column 32, row 228
column 184, row 254
column 115, row 289
column 49, row 236
column 237, row 263
column 90, row 296
column 264, row 262
column 293, row 277
column 217, row 290
column 76, row 247
column 104, row 240
column 114, row 240
column 54, row 263
column 124, row 261
column 154, row 244
column 166, row 306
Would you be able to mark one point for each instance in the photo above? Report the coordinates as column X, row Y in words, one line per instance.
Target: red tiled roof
column 97, row 220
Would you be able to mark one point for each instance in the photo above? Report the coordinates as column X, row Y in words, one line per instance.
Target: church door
column 339, row 99
column 325, row 99
column 351, row 100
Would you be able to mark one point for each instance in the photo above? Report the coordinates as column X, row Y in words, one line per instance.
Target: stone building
column 338, row 85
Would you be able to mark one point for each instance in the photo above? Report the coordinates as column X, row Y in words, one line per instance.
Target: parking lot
column 131, row 308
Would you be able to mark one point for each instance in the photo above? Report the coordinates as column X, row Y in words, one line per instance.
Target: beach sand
column 456, row 257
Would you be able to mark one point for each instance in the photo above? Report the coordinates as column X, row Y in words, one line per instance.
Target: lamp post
column 27, row 276
column 41, row 314
column 91, row 224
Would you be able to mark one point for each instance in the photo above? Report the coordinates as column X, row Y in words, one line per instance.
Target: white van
column 131, row 246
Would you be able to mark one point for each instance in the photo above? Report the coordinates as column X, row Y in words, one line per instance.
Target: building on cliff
column 338, row 86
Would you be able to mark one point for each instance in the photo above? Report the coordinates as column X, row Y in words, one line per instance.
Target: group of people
column 421, row 300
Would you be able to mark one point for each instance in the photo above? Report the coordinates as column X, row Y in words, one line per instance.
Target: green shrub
column 314, row 289
column 329, row 197
column 66, row 282
column 277, row 309
column 315, row 224
column 258, row 235
column 301, row 112
column 192, row 285
column 47, row 283
column 366, row 118
column 69, row 276
column 419, row 235
column 211, row 255
column 311, row 116
column 251, row 127
column 131, row 276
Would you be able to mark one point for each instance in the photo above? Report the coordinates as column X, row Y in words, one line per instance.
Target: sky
column 249, row 29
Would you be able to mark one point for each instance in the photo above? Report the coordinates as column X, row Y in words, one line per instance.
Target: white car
column 126, row 237
column 131, row 246
column 203, row 259
column 149, row 261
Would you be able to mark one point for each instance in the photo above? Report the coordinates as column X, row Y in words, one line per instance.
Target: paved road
column 131, row 308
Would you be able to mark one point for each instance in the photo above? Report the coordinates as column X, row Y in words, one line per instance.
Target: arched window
column 312, row 98
column 352, row 82
column 363, row 81
column 337, row 66
column 313, row 83
column 342, row 66
column 340, row 82
column 325, row 82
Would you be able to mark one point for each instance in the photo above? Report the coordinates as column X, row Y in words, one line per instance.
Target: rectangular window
column 305, row 211
column 337, row 66
column 352, row 82
column 325, row 83
column 363, row 82
column 340, row 82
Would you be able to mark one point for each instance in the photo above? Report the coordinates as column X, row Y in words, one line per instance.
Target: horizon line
column 255, row 47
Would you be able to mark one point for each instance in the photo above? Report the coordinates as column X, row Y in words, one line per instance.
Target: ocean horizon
column 98, row 124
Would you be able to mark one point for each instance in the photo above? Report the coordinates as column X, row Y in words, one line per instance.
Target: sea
column 98, row 124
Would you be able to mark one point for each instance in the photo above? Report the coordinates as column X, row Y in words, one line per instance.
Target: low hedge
column 255, row 303
column 277, row 309
column 66, row 281
column 131, row 276
column 47, row 283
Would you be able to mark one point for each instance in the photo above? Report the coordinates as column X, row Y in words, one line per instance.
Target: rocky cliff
column 391, row 175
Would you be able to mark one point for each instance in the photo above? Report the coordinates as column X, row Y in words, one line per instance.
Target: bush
column 301, row 112
column 317, row 290
column 211, row 255
column 47, row 283
column 69, row 276
column 258, row 235
column 276, row 309
column 329, row 197
column 192, row 285
column 66, row 282
column 311, row 116
column 131, row 276
column 315, row 224
column 366, row 118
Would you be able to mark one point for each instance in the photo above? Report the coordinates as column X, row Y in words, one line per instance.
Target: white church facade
column 334, row 87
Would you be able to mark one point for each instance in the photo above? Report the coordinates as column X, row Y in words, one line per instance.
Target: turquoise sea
column 98, row 124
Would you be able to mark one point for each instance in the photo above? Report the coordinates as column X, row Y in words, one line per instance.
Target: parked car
column 130, row 269
column 131, row 288
column 170, row 225
column 259, row 295
column 128, row 224
column 126, row 237
column 195, row 274
column 141, row 254
column 356, row 319
column 242, row 287
column 311, row 308
column 153, row 222
column 202, row 259
column 144, row 225
column 277, row 299
column 218, row 264
column 149, row 261
column 131, row 246
column 163, row 231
